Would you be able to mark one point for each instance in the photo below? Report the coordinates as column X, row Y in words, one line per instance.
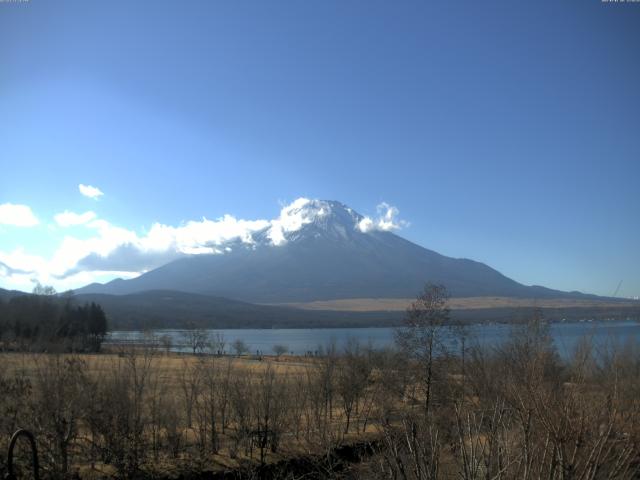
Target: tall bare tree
column 422, row 336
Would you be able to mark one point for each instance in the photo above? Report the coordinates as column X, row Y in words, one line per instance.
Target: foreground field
column 118, row 413
column 517, row 412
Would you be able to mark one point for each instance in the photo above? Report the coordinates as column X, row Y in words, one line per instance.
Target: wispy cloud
column 17, row 215
column 90, row 191
column 17, row 262
column 6, row 270
column 69, row 219
column 385, row 221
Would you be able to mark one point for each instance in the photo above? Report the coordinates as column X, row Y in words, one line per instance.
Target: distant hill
column 159, row 309
column 7, row 294
column 172, row 309
column 329, row 256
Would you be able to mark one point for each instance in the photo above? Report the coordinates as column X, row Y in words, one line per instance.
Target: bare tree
column 217, row 344
column 116, row 413
column 424, row 331
column 190, row 381
column 167, row 342
column 155, row 405
column 269, row 410
column 196, row 339
column 240, row 347
column 280, row 350
column 57, row 407
column 240, row 402
column 352, row 379
column 45, row 290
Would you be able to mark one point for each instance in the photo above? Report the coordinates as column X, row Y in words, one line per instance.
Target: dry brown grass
column 170, row 370
column 170, row 365
column 465, row 303
column 503, row 389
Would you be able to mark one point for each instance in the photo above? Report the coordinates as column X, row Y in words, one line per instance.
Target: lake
column 300, row 341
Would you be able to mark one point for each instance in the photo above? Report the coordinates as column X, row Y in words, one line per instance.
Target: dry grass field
column 509, row 413
column 177, row 412
column 401, row 304
column 169, row 366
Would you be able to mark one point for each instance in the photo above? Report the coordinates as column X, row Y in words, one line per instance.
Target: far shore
column 461, row 303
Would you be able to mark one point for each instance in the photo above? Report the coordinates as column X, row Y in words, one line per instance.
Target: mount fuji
column 323, row 250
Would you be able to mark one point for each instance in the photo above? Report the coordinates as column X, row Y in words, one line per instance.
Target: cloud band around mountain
column 114, row 249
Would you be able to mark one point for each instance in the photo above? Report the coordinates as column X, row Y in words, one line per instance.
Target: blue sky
column 506, row 132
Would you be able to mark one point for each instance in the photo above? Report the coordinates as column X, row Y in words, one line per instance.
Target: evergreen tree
column 44, row 320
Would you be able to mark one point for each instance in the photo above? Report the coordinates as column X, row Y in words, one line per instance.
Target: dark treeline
column 45, row 321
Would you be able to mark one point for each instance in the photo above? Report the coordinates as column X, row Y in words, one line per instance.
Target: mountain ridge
column 324, row 250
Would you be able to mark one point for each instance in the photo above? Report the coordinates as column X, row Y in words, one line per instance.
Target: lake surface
column 300, row 341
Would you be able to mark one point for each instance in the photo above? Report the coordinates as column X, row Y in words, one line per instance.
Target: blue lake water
column 300, row 341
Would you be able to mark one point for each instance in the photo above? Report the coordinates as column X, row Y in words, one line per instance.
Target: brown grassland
column 173, row 412
column 462, row 303
column 513, row 412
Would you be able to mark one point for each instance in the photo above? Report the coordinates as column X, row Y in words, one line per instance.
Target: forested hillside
column 45, row 321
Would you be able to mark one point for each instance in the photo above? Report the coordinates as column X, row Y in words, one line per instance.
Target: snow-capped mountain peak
column 306, row 217
column 318, row 250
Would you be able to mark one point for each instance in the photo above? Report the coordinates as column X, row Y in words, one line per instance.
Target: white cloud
column 19, row 262
column 69, row 219
column 385, row 222
column 116, row 248
column 292, row 217
column 89, row 191
column 366, row 225
column 17, row 215
column 202, row 236
column 110, row 250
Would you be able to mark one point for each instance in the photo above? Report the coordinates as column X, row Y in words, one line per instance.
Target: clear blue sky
column 507, row 132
